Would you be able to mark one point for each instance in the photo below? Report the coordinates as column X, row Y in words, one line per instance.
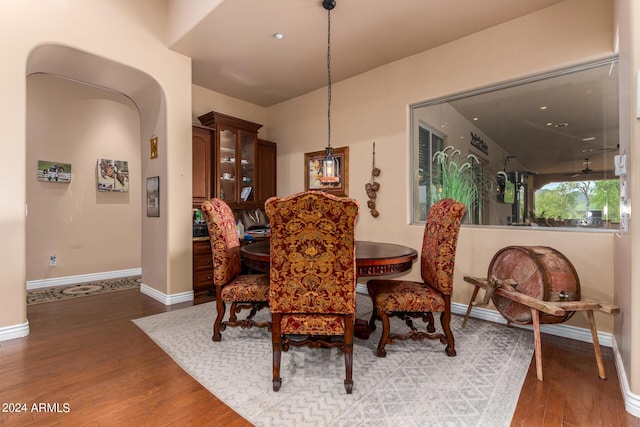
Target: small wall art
column 314, row 164
column 54, row 171
column 153, row 147
column 153, row 196
column 113, row 175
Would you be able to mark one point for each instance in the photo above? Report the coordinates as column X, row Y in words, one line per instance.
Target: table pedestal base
column 361, row 329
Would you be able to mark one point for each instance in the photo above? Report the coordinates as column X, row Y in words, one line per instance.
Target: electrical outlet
column 52, row 261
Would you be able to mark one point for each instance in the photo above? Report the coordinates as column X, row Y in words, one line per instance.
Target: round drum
column 539, row 272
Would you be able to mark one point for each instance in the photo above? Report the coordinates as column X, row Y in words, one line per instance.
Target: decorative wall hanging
column 314, row 167
column 372, row 186
column 153, row 196
column 54, row 171
column 113, row 175
column 153, row 147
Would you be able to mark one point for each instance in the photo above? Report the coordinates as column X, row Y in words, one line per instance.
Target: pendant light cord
column 329, row 77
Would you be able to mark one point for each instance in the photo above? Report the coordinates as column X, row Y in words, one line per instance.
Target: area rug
column 415, row 385
column 57, row 293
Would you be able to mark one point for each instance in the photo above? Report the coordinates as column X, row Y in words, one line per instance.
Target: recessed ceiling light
column 476, row 119
column 561, row 125
column 588, row 138
column 543, row 107
column 549, row 124
column 278, row 36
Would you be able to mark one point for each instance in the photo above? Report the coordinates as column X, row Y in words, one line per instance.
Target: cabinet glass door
column 228, row 170
column 247, row 167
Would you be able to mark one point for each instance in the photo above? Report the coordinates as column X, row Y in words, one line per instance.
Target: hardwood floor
column 86, row 356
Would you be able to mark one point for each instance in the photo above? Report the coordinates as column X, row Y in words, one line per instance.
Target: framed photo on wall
column 54, row 171
column 113, row 175
column 153, row 196
column 314, row 165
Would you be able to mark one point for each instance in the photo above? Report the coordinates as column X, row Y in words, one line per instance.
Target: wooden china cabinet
column 230, row 162
column 242, row 167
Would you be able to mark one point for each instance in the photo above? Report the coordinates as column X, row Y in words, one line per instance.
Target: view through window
column 540, row 152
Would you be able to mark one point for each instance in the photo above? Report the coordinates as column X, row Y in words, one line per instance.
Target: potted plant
column 459, row 178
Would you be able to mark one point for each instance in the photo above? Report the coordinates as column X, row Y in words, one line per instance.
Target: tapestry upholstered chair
column 249, row 291
column 408, row 299
column 313, row 275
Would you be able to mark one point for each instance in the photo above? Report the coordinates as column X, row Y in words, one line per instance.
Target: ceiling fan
column 587, row 171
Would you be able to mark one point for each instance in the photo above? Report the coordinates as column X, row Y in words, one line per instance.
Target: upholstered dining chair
column 243, row 292
column 313, row 275
column 408, row 299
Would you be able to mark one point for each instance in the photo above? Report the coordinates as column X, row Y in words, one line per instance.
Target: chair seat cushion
column 248, row 287
column 405, row 296
column 312, row 324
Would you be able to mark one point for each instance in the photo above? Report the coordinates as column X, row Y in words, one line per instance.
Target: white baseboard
column 82, row 278
column 631, row 400
column 15, row 331
column 164, row 298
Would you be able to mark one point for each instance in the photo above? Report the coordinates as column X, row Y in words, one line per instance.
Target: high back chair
column 313, row 275
column 408, row 299
column 249, row 291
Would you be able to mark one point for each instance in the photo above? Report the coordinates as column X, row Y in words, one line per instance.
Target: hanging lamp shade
column 330, row 168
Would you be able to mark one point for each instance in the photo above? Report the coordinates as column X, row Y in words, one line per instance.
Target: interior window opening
column 539, row 152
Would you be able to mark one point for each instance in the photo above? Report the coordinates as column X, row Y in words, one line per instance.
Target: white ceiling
column 234, row 52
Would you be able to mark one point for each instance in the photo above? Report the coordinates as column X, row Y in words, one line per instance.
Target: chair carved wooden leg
column 386, row 329
column 431, row 327
column 233, row 310
column 348, row 354
column 276, row 342
column 374, row 317
column 445, row 321
column 217, row 325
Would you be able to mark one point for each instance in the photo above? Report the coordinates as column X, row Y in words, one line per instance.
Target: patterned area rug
column 57, row 293
column 415, row 385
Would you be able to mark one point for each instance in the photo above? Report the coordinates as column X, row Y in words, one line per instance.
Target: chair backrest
column 313, row 260
column 439, row 244
column 225, row 244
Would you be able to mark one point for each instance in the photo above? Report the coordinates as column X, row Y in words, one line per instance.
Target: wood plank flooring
column 93, row 367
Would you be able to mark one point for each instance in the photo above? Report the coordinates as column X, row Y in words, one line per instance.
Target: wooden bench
column 507, row 288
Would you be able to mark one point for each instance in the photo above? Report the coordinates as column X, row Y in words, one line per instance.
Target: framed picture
column 314, row 165
column 113, row 175
column 54, row 171
column 153, row 196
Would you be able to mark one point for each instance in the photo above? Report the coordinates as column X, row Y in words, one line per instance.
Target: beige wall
column 374, row 107
column 115, row 44
column 205, row 100
column 88, row 231
column 627, row 250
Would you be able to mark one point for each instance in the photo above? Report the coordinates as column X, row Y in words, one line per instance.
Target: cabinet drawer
column 201, row 247
column 202, row 279
column 202, row 262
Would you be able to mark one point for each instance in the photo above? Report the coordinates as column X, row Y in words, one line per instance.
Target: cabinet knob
column 208, row 277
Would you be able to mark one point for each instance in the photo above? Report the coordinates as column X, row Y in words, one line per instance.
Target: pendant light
column 330, row 169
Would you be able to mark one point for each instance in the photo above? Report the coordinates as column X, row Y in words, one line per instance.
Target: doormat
column 57, row 293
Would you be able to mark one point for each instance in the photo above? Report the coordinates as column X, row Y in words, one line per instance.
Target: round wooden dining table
column 372, row 258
